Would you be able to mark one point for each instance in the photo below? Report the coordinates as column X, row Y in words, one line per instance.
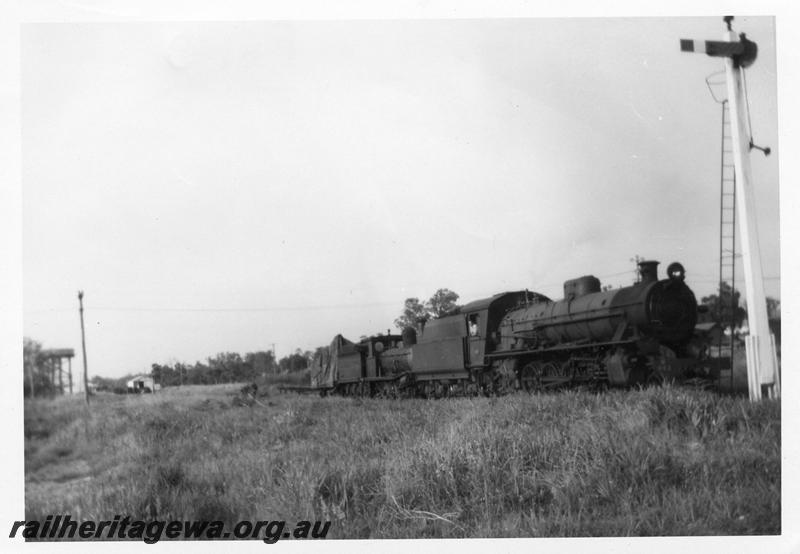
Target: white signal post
column 764, row 372
column 762, row 367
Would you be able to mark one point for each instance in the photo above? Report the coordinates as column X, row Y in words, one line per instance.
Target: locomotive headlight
column 676, row 271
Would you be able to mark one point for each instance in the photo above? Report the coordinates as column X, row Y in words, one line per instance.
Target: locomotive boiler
column 523, row 340
column 624, row 336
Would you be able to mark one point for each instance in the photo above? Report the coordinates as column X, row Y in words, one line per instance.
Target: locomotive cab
column 460, row 342
column 483, row 317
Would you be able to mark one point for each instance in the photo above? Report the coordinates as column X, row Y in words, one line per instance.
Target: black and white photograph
column 440, row 274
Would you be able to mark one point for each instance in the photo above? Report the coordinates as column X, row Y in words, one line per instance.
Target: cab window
column 472, row 325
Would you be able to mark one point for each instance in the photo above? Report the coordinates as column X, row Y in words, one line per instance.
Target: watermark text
column 63, row 527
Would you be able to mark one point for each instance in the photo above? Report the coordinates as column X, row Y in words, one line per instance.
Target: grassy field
column 662, row 461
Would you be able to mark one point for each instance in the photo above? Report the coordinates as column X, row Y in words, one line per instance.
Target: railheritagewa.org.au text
column 63, row 527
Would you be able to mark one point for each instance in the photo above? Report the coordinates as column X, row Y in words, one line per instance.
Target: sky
column 226, row 186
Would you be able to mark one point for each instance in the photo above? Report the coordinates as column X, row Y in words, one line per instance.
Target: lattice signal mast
column 738, row 53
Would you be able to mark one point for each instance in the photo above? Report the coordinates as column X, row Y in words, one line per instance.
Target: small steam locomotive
column 523, row 340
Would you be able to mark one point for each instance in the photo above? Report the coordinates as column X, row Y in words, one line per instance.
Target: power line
column 258, row 309
column 298, row 308
column 717, row 280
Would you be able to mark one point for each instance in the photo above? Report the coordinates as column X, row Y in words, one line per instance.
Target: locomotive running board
column 561, row 348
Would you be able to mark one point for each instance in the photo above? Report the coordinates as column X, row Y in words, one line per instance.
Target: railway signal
column 739, row 53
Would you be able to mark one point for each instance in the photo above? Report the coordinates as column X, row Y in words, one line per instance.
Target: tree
column 108, row 384
column 261, row 362
column 160, row 374
column 414, row 315
column 294, row 362
column 181, row 373
column 35, row 382
column 228, row 367
column 441, row 303
column 200, row 374
column 724, row 307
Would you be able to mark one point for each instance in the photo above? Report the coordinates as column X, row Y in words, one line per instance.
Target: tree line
column 726, row 309
column 230, row 367
column 225, row 367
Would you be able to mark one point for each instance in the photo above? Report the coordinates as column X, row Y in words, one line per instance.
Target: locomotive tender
column 523, row 340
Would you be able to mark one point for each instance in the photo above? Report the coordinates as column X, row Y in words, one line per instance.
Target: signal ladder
column 727, row 242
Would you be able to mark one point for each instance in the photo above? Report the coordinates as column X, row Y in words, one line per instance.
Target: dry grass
column 664, row 461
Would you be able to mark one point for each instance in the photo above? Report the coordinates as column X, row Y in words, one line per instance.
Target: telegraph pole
column 83, row 345
column 739, row 53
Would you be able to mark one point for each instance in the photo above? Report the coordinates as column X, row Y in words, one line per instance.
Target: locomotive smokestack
column 648, row 271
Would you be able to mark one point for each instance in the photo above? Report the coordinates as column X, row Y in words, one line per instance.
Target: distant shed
column 140, row 384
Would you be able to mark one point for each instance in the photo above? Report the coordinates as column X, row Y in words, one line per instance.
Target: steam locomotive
column 523, row 340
